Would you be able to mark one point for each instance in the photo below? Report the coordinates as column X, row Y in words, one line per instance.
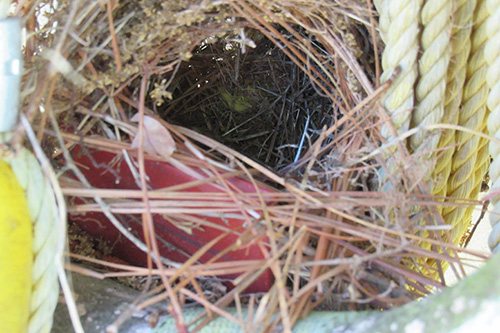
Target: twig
column 114, row 42
column 484, row 209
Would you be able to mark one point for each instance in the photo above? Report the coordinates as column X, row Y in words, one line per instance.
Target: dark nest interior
column 284, row 96
column 244, row 92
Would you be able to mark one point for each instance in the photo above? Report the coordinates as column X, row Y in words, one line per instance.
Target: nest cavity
column 243, row 91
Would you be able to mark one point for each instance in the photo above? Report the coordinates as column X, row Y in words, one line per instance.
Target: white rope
column 41, row 205
column 57, row 226
column 399, row 23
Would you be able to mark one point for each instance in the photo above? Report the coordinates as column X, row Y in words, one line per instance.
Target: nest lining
column 253, row 99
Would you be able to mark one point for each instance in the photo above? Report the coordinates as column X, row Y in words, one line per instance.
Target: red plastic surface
column 174, row 243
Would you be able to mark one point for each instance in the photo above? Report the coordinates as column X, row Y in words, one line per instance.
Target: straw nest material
column 281, row 93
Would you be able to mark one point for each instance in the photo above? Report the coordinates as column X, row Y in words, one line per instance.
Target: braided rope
column 399, row 20
column 462, row 181
column 460, row 49
column 482, row 161
column 481, row 169
column 492, row 54
column 433, row 65
column 399, row 28
column 383, row 22
column 42, row 208
column 431, row 87
column 450, row 78
column 482, row 165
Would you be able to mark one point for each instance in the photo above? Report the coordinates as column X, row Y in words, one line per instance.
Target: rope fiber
column 445, row 48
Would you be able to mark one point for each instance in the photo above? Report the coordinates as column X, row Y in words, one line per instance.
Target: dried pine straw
column 291, row 84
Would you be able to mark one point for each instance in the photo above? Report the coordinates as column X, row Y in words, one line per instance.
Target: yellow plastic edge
column 16, row 253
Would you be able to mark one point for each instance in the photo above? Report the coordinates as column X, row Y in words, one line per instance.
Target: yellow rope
column 399, row 28
column 462, row 180
column 481, row 169
column 431, row 88
column 399, row 18
column 492, row 54
column 460, row 49
column 482, row 165
column 482, row 161
column 451, row 178
column 450, row 88
column 433, row 65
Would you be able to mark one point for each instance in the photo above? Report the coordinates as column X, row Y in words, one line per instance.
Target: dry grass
column 330, row 232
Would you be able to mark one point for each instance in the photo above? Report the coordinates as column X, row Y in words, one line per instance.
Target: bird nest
column 281, row 95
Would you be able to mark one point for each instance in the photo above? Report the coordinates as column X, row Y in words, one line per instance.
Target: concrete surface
column 99, row 303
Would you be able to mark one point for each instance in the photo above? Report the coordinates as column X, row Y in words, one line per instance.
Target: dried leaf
column 157, row 139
